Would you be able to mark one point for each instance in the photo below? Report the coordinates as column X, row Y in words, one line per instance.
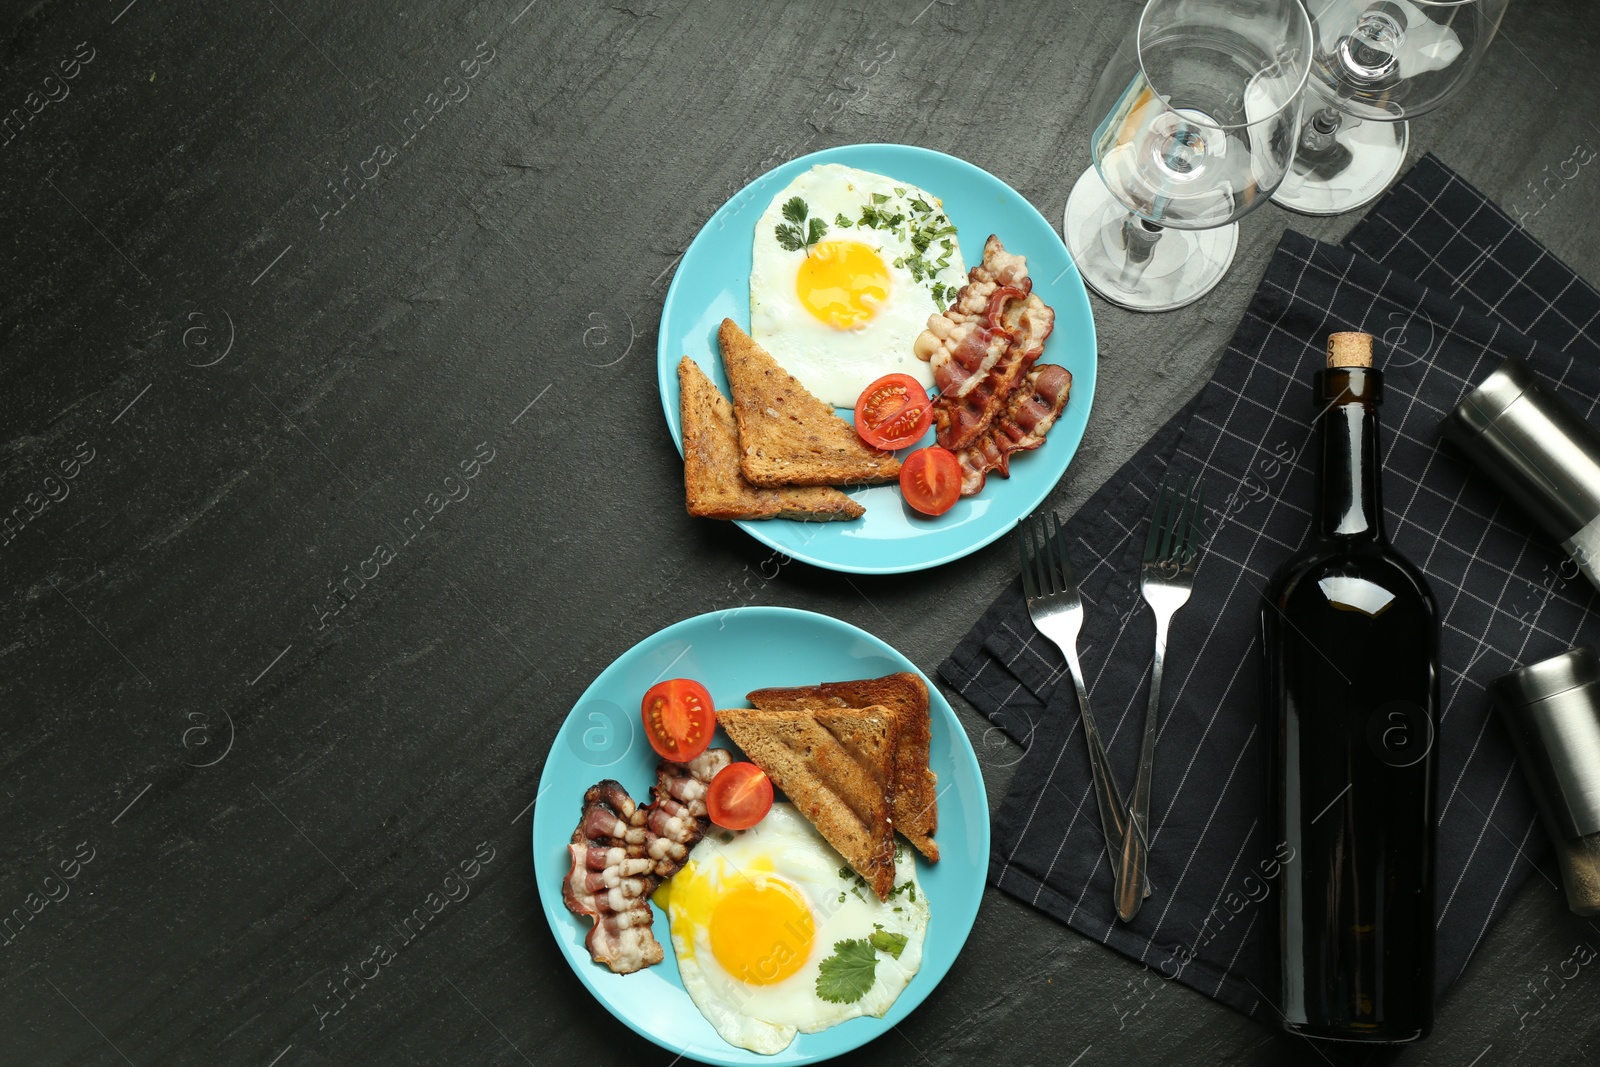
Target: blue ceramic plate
column 732, row 653
column 713, row 283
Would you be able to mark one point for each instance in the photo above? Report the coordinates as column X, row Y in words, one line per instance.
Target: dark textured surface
column 516, row 249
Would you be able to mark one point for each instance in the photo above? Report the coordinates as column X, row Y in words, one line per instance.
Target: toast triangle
column 905, row 694
column 713, row 486
column 786, row 435
column 837, row 766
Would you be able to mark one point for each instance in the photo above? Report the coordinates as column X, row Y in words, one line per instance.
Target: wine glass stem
column 1316, row 137
column 1139, row 237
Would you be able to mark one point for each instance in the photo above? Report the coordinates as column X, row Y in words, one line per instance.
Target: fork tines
column 1046, row 566
column 1175, row 533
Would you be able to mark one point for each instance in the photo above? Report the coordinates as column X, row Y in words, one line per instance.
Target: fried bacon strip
column 983, row 346
column 610, row 880
column 621, row 851
column 1030, row 411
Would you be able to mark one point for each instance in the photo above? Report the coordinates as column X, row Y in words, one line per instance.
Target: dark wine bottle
column 1351, row 636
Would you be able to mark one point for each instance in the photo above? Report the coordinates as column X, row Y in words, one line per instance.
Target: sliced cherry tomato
column 930, row 479
column 893, row 412
column 679, row 719
column 739, row 796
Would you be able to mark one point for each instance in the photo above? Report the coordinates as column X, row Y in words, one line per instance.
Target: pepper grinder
column 1552, row 711
column 1540, row 452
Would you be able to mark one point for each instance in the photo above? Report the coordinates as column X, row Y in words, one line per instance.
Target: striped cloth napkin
column 1451, row 286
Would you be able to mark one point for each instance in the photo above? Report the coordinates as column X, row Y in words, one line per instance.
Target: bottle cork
column 1349, row 350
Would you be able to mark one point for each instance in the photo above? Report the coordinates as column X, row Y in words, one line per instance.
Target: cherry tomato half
column 679, row 719
column 893, row 412
column 930, row 479
column 739, row 796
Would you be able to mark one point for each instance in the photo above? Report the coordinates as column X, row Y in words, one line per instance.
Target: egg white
column 837, row 364
column 765, row 1018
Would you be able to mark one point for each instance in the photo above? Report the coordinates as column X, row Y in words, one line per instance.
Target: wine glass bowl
column 1199, row 110
column 1378, row 62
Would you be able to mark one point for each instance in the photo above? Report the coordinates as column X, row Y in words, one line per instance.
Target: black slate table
column 279, row 269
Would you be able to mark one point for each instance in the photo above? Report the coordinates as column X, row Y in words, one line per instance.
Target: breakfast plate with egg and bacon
column 876, row 358
column 761, row 837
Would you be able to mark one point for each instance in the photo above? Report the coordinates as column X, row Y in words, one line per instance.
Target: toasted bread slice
column 712, row 483
column 837, row 766
column 916, row 795
column 786, row 435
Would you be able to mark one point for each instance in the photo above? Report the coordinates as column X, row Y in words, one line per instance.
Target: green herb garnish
column 847, row 975
column 924, row 228
column 908, row 887
column 883, row 941
column 798, row 233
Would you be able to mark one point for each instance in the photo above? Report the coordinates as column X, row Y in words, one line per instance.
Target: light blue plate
column 731, row 653
column 713, row 283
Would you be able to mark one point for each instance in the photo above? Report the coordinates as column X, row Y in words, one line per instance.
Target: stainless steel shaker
column 1540, row 452
column 1552, row 711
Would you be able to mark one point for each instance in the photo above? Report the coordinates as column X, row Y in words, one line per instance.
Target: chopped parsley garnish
column 884, row 941
column 798, row 233
column 847, row 975
column 922, row 226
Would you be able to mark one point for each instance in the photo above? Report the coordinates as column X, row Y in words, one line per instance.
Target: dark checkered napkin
column 1451, row 287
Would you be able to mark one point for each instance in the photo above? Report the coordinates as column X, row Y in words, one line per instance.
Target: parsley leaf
column 880, row 198
column 899, row 191
column 840, row 221
column 893, row 944
column 908, row 887
column 797, row 234
column 847, row 975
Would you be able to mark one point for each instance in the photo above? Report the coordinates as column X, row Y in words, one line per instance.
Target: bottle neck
column 1349, row 500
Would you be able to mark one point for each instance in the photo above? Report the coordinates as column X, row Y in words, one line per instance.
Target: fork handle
column 1113, row 811
column 1133, row 883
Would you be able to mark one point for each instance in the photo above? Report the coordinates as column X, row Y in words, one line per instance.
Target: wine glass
column 1200, row 106
column 1376, row 64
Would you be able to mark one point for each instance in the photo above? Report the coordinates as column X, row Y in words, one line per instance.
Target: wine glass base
column 1368, row 157
column 1183, row 265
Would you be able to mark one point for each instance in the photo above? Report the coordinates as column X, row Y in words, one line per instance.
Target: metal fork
column 1171, row 553
column 1057, row 612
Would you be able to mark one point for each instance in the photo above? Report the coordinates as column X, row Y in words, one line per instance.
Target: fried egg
column 755, row 914
column 839, row 293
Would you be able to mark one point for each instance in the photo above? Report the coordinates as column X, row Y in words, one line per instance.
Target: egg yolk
column 842, row 283
column 761, row 931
